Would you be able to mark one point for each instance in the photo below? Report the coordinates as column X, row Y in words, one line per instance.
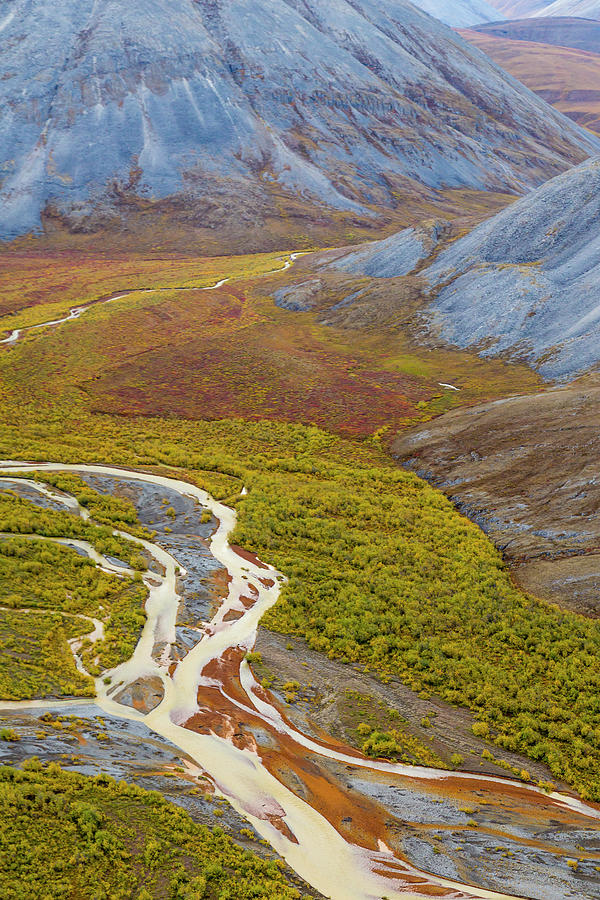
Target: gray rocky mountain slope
column 585, row 9
column 525, row 282
column 460, row 13
column 394, row 256
column 513, row 9
column 341, row 103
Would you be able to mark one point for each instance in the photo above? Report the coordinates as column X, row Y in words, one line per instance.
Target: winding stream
column 77, row 311
column 207, row 691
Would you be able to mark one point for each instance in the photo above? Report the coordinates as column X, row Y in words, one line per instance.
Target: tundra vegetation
column 20, row 516
column 228, row 353
column 383, row 571
column 49, row 594
column 382, row 732
column 68, row 835
column 105, row 509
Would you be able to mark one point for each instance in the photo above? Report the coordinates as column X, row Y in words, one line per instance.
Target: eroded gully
column 213, row 708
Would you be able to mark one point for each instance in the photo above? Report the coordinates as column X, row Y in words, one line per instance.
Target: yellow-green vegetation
column 380, row 731
column 399, row 745
column 48, row 577
column 19, row 516
column 382, row 570
column 35, row 658
column 117, row 512
column 523, row 774
column 32, row 283
column 49, row 594
column 68, row 835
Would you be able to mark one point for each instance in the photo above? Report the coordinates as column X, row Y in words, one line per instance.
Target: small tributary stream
column 77, row 311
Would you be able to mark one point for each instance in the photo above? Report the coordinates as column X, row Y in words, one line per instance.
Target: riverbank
column 293, row 788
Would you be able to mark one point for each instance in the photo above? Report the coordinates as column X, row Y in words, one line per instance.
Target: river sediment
column 352, row 827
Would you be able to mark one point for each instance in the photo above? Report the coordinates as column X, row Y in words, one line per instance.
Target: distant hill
column 512, row 9
column 558, row 72
column 561, row 31
column 219, row 114
column 586, row 9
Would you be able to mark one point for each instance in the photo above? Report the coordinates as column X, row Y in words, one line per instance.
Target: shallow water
column 292, row 788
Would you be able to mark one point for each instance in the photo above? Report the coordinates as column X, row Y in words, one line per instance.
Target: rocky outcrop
column 394, row 256
column 526, row 470
column 299, row 297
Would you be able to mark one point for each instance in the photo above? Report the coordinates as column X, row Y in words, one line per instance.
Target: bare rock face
column 393, row 256
column 523, row 284
column 460, row 13
column 299, row 297
column 340, row 105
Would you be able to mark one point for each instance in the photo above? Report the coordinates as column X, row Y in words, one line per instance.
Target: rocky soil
column 82, row 739
column 327, row 698
column 526, row 470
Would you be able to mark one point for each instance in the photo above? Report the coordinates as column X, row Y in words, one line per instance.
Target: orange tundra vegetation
column 191, row 353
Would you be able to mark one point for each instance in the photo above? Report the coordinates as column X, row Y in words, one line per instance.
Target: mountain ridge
column 379, row 101
column 559, row 31
column 522, row 283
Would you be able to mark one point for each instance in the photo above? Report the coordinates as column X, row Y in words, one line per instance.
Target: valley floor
column 408, row 721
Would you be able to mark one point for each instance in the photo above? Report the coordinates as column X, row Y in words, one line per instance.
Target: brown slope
column 526, row 470
column 567, row 78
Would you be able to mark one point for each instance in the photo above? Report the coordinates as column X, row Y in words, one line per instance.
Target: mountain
column 585, row 9
column 512, row 9
column 460, row 13
column 524, row 283
column 560, row 31
column 561, row 71
column 219, row 113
